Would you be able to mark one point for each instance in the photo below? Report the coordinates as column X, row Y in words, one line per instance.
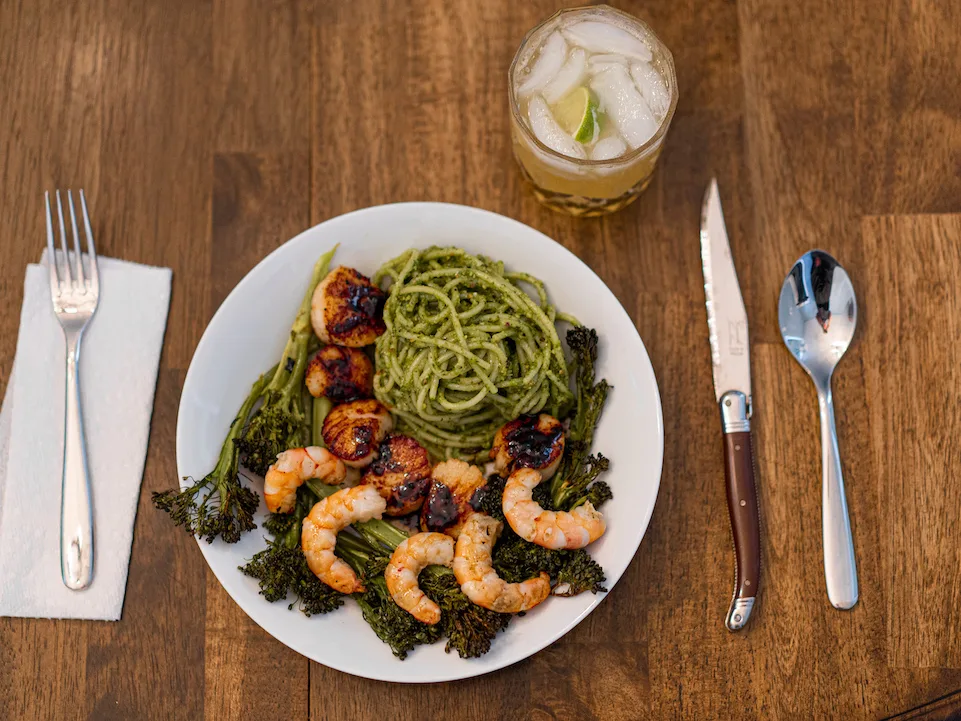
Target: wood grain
column 261, row 82
column 916, row 392
column 207, row 133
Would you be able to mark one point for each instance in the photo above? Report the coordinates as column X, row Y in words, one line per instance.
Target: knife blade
column 731, row 364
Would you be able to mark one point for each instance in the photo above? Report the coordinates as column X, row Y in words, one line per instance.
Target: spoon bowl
column 817, row 313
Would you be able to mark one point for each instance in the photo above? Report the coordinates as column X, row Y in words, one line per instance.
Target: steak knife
column 730, row 358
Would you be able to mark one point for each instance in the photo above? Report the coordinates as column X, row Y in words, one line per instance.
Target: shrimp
column 341, row 374
column 347, row 309
column 406, row 563
column 529, row 442
column 295, row 466
column 448, row 501
column 353, row 430
column 550, row 529
column 401, row 473
column 321, row 526
column 477, row 577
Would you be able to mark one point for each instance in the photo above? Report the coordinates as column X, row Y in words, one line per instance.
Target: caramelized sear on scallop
column 401, row 474
column 352, row 431
column 341, row 374
column 529, row 442
column 453, row 484
column 347, row 309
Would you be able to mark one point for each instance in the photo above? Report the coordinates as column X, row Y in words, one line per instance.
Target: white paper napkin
column 118, row 375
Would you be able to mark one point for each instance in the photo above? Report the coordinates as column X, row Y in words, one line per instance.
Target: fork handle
column 76, row 515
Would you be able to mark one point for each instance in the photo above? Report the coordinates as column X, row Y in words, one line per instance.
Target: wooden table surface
column 207, row 132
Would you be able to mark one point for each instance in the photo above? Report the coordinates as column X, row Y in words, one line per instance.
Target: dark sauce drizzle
column 529, row 446
column 440, row 510
column 385, row 462
column 367, row 304
column 363, row 437
column 478, row 498
column 409, row 493
column 340, row 389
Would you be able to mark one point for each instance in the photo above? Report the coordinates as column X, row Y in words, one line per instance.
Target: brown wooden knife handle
column 745, row 524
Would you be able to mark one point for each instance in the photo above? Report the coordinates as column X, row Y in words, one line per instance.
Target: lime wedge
column 577, row 114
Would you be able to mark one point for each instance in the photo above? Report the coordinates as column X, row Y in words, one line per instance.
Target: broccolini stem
column 294, row 381
column 353, row 545
column 319, row 489
column 354, row 551
column 319, row 410
column 229, row 458
column 292, row 537
column 300, row 331
column 382, row 532
column 306, row 412
column 436, row 571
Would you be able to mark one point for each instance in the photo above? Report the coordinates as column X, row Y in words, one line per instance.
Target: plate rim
column 549, row 639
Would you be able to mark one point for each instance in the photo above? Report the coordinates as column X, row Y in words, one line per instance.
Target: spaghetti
column 466, row 349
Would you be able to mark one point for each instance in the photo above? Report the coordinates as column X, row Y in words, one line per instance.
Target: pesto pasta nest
column 466, row 349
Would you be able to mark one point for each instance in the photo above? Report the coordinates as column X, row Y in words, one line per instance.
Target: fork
column 75, row 297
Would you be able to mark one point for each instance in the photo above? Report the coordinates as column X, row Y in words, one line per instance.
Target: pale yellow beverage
column 592, row 94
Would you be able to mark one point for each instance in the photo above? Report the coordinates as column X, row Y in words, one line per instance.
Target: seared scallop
column 401, row 474
column 347, row 309
column 447, row 506
column 529, row 442
column 352, row 431
column 341, row 374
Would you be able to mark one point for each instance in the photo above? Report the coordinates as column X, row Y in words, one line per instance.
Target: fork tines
column 73, row 278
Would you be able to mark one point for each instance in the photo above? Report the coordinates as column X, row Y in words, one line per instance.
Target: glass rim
column 625, row 159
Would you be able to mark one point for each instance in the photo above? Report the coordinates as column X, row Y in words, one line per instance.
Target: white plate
column 248, row 332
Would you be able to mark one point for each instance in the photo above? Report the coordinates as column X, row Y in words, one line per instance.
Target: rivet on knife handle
column 742, row 505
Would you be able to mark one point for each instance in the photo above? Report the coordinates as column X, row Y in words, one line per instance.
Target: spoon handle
column 840, row 571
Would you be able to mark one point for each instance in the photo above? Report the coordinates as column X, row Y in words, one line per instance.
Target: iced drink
column 592, row 93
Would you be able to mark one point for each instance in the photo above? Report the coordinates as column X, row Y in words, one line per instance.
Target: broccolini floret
column 578, row 469
column 217, row 504
column 282, row 567
column 578, row 573
column 469, row 628
column 488, row 498
column 582, row 485
column 571, row 572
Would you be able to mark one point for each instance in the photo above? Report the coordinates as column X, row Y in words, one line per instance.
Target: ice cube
column 652, row 87
column 603, row 61
column 549, row 132
column 623, row 104
column 607, row 58
column 550, row 60
column 567, row 78
column 608, row 148
column 597, row 68
column 601, row 37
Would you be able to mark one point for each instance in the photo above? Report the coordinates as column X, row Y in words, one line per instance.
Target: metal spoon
column 817, row 313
